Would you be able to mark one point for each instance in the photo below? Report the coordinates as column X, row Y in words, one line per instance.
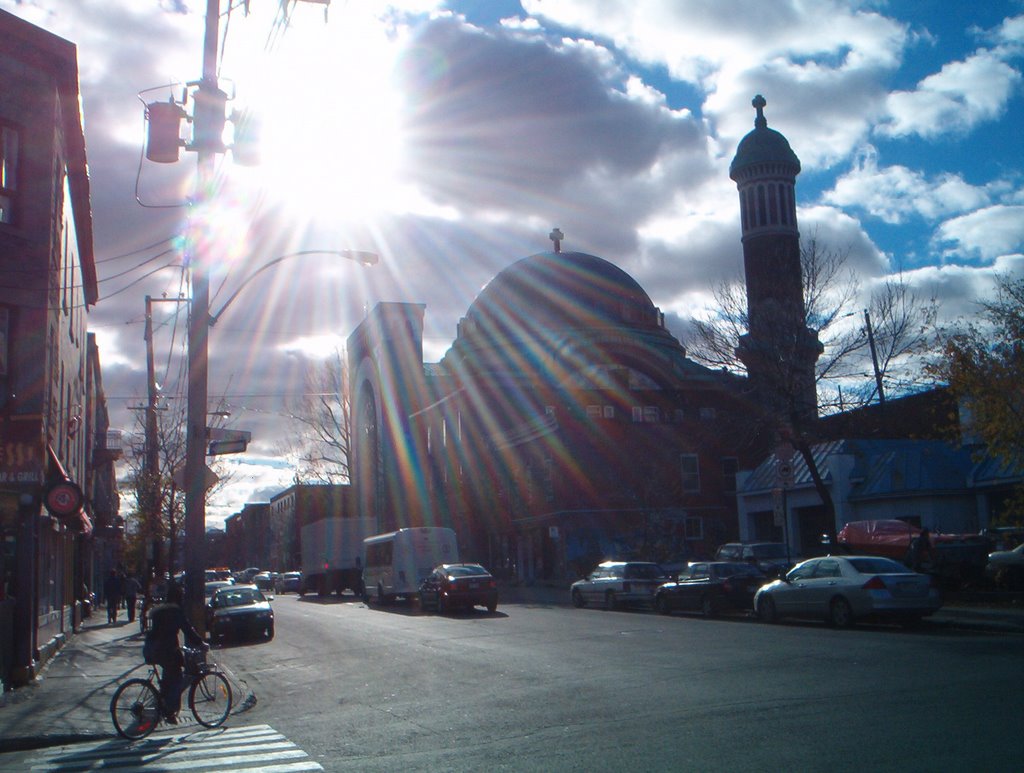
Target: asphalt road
column 562, row 689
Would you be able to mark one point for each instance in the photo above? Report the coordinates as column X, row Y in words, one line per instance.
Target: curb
column 31, row 743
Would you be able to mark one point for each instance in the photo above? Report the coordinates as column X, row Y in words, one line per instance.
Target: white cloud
column 896, row 192
column 954, row 100
column 987, row 233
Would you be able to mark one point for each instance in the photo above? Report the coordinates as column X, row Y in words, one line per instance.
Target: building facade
column 51, row 405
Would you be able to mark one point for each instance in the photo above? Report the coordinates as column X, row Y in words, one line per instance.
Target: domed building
column 565, row 424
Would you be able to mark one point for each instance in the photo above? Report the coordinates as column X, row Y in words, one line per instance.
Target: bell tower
column 779, row 350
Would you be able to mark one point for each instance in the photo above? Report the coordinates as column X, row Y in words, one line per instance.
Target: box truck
column 332, row 551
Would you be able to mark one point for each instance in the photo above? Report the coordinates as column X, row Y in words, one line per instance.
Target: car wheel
column 662, row 605
column 610, row 602
column 708, row 607
column 492, row 607
column 766, row 610
column 577, row 598
column 269, row 633
column 442, row 607
column 840, row 614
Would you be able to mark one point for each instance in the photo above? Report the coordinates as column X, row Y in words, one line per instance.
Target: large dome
column 562, row 291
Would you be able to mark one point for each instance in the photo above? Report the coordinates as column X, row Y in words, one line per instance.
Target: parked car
column 212, row 587
column 240, row 611
column 844, row 589
column 459, row 585
column 710, row 587
column 772, row 558
column 615, row 583
column 289, row 582
column 1006, row 567
column 264, row 581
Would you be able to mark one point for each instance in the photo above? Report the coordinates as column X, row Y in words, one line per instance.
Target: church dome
column 763, row 146
column 562, row 291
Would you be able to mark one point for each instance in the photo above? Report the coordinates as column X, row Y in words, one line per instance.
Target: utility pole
column 151, row 462
column 874, row 358
column 208, row 126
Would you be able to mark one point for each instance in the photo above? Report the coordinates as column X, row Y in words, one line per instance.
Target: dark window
column 8, row 173
column 690, row 472
column 730, row 464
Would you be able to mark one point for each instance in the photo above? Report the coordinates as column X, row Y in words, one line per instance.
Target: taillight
column 875, row 583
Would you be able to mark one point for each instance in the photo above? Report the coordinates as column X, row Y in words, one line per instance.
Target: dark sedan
column 459, row 585
column 710, row 587
column 240, row 611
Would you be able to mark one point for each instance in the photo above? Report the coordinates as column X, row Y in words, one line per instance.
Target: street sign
column 217, row 447
column 219, row 433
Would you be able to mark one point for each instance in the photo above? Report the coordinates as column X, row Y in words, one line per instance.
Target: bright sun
column 330, row 141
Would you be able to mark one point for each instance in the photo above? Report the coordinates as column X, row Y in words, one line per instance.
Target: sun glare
column 330, row 142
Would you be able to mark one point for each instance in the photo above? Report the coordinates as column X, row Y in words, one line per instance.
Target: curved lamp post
column 360, row 256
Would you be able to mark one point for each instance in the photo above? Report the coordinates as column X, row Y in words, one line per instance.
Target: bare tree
column 898, row 318
column 321, row 415
column 858, row 355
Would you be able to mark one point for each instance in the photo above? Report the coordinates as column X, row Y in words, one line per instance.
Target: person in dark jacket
column 112, row 594
column 161, row 648
column 130, row 589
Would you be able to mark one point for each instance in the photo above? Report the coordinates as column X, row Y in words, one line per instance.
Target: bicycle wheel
column 135, row 709
column 209, row 698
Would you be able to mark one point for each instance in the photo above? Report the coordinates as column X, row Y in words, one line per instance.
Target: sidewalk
column 70, row 700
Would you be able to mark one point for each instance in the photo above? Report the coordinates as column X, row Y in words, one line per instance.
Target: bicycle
column 137, row 709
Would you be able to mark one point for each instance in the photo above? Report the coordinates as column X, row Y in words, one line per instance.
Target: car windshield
column 644, row 571
column 466, row 570
column 878, row 566
column 772, row 550
column 237, row 597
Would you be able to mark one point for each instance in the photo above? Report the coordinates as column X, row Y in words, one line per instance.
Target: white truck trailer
column 332, row 554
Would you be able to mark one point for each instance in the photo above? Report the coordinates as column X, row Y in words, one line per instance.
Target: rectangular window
column 651, row 414
column 694, row 528
column 638, row 414
column 8, row 172
column 691, row 473
column 707, row 413
column 593, row 411
column 609, row 411
column 730, row 464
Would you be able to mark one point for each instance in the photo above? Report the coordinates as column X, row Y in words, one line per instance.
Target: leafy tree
column 983, row 363
column 160, row 502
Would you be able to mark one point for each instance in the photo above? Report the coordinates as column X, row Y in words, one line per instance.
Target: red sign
column 64, row 499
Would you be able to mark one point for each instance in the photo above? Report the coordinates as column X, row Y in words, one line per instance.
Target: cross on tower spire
column 759, row 102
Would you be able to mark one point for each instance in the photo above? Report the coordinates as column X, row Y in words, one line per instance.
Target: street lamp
column 360, row 256
column 195, row 435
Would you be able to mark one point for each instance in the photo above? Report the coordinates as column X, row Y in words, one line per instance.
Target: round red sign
column 64, row 499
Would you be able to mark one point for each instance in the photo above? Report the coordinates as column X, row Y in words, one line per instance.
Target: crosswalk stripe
column 253, row 749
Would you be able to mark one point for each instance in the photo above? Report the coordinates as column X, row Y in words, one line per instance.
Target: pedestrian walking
column 112, row 595
column 131, row 595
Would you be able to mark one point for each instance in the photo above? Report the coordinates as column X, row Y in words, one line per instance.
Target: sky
column 451, row 137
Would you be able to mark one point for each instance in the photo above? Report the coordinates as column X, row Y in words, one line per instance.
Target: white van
column 394, row 564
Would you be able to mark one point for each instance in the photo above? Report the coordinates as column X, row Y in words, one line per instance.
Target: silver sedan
column 843, row 589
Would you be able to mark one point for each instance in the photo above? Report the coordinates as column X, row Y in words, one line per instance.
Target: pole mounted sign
column 226, row 441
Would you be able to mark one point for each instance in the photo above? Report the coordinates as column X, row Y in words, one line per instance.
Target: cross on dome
column 759, row 102
column 556, row 237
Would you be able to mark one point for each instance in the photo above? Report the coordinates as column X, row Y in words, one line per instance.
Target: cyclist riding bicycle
column 161, row 648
